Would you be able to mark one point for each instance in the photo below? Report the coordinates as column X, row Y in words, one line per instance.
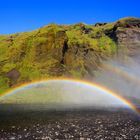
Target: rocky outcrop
column 13, row 75
column 100, row 24
column 126, row 33
column 129, row 38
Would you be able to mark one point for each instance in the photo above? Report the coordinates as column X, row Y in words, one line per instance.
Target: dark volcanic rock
column 13, row 74
column 100, row 24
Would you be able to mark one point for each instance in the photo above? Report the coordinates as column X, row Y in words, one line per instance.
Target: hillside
column 64, row 50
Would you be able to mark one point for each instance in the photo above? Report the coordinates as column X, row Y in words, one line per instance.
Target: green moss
column 107, row 45
column 3, row 84
column 38, row 54
column 8, row 66
column 74, row 37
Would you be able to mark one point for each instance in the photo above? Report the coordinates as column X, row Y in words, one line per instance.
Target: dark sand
column 71, row 124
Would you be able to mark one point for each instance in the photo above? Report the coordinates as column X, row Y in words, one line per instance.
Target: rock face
column 13, row 75
column 64, row 50
column 126, row 33
column 130, row 38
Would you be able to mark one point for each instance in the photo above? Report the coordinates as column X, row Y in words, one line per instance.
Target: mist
column 61, row 94
column 122, row 76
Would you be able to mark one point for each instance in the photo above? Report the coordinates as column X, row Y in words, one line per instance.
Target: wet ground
column 69, row 125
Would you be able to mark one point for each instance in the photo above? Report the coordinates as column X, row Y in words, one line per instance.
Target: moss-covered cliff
column 63, row 50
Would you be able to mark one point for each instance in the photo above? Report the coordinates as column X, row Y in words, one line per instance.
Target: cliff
column 64, row 50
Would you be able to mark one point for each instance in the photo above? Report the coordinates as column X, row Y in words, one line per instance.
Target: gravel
column 69, row 125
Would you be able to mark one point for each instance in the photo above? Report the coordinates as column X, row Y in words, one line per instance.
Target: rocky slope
column 64, row 50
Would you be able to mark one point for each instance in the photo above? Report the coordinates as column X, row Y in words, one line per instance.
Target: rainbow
column 122, row 99
column 125, row 74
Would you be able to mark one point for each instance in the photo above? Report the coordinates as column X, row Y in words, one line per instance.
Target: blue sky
column 27, row 15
